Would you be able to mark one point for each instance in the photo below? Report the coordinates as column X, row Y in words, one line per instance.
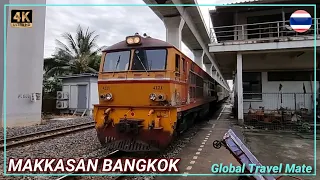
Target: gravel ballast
column 79, row 144
column 47, row 125
column 73, row 145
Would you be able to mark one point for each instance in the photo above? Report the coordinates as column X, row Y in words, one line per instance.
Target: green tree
column 79, row 55
column 50, row 87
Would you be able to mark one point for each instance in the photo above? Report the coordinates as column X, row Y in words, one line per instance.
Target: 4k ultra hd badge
column 21, row 18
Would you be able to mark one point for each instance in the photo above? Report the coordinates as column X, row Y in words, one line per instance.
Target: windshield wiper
column 142, row 64
column 118, row 61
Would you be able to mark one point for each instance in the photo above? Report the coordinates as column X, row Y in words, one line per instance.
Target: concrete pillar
column 209, row 68
column 25, row 51
column 239, row 88
column 174, row 27
column 198, row 57
column 2, row 3
column 213, row 74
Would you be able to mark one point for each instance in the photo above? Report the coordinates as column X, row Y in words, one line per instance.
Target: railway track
column 42, row 135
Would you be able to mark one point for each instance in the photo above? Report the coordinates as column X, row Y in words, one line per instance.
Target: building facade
column 82, row 90
column 271, row 65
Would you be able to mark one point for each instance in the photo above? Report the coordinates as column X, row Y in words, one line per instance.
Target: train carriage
column 149, row 92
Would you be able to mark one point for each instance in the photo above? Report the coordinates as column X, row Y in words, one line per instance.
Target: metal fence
column 279, row 111
column 266, row 30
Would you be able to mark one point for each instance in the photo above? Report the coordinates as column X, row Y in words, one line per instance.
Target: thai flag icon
column 300, row 21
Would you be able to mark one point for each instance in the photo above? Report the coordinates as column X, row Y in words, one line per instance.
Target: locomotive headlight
column 130, row 40
column 136, row 40
column 133, row 40
column 108, row 96
column 152, row 96
column 161, row 97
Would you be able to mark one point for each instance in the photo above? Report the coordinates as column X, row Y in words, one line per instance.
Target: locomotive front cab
column 134, row 111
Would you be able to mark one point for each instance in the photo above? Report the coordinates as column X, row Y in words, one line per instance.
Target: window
column 252, row 84
column 183, row 64
column 259, row 28
column 116, row 61
column 192, row 78
column 177, row 62
column 152, row 59
column 290, row 76
column 199, row 81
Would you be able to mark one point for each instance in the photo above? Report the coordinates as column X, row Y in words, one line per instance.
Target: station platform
column 199, row 155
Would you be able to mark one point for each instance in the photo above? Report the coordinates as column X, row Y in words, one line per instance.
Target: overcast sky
column 112, row 24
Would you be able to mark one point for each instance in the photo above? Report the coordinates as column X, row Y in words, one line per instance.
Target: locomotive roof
column 146, row 42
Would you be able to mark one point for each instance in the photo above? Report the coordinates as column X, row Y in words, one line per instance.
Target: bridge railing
column 266, row 30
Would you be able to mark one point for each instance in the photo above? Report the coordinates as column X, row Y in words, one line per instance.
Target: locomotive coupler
column 129, row 126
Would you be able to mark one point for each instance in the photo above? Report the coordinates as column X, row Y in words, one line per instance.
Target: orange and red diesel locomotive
column 149, row 92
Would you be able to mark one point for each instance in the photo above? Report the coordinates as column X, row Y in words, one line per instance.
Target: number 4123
column 157, row 87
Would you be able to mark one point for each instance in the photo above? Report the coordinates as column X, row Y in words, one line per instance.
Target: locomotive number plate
column 105, row 87
column 157, row 87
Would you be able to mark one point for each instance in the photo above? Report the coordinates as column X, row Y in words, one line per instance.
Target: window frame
column 183, row 65
column 177, row 57
column 274, row 76
column 250, row 96
column 166, row 59
column 129, row 61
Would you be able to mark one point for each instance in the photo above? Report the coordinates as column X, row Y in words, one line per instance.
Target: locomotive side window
column 177, row 62
column 183, row 65
column 116, row 61
column 150, row 59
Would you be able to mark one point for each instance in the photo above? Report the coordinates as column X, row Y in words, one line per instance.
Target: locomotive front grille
column 130, row 145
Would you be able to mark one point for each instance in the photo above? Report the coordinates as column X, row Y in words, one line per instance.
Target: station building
column 271, row 65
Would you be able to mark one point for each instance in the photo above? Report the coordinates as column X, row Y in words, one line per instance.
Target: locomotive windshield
column 150, row 59
column 117, row 61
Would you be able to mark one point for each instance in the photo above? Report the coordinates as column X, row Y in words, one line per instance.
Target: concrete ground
column 270, row 149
